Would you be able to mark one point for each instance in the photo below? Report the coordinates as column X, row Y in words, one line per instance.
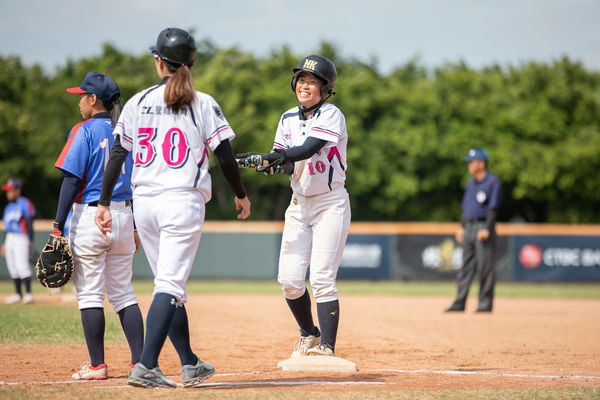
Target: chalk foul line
column 499, row 373
column 337, row 383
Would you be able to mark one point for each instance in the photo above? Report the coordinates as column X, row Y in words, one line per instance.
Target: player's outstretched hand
column 244, row 204
column 104, row 220
column 248, row 160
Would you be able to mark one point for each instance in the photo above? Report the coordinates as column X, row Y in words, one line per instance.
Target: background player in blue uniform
column 99, row 265
column 477, row 232
column 18, row 238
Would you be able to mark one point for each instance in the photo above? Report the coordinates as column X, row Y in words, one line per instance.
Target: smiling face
column 308, row 89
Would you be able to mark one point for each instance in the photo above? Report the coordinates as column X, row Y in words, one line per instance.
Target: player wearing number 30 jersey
column 169, row 129
column 168, row 153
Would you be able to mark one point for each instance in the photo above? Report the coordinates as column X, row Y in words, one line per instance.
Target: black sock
column 301, row 309
column 27, row 283
column 133, row 327
column 329, row 318
column 92, row 320
column 158, row 322
column 179, row 334
column 17, row 282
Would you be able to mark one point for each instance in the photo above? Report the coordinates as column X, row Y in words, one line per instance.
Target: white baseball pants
column 17, row 255
column 102, row 264
column 170, row 226
column 315, row 232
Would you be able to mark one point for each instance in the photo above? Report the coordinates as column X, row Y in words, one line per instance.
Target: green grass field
column 394, row 288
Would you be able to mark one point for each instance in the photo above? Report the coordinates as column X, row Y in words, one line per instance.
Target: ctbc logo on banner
column 557, row 258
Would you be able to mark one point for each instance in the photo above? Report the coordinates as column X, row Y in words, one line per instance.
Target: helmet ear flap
column 295, row 80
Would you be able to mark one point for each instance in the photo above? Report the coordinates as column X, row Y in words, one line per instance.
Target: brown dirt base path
column 398, row 343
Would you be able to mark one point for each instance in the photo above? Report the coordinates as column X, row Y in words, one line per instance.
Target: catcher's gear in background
column 267, row 163
column 55, row 265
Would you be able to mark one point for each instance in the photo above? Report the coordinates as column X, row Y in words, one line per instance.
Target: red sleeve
column 63, row 154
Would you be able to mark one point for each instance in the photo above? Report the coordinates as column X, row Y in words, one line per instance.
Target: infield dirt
column 397, row 342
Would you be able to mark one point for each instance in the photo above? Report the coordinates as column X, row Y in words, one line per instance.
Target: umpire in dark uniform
column 477, row 233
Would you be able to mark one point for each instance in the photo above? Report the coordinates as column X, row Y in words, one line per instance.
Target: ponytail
column 180, row 91
column 116, row 112
column 114, row 108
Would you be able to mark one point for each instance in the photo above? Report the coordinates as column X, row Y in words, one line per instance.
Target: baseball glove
column 54, row 267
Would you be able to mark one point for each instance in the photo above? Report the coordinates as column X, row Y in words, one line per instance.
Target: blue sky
column 480, row 32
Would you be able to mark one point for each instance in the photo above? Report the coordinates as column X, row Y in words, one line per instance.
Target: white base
column 317, row 363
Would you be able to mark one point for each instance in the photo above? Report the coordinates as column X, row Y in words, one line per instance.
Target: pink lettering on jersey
column 145, row 137
column 175, row 148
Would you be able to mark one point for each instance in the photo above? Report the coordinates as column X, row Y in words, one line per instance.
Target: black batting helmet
column 321, row 68
column 175, row 46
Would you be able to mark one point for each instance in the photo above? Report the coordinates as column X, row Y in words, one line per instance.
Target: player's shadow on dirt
column 358, row 378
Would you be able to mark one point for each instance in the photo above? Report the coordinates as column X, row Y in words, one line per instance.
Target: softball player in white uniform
column 99, row 265
column 313, row 136
column 169, row 133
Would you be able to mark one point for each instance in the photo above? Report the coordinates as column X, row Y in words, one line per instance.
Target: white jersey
column 325, row 170
column 170, row 150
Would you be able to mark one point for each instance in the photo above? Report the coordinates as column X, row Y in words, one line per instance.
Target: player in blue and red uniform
column 18, row 237
column 99, row 265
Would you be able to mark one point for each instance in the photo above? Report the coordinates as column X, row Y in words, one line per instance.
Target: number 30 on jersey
column 175, row 148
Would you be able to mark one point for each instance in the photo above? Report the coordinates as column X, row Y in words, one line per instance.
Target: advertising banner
column 366, row 257
column 439, row 257
column 557, row 258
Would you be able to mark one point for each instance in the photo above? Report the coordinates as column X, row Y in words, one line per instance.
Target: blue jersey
column 482, row 196
column 86, row 154
column 18, row 216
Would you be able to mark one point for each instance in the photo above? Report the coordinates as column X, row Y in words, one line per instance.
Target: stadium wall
column 390, row 251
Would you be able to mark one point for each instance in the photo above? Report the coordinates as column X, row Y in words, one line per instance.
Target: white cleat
column 88, row 372
column 320, row 350
column 303, row 344
column 14, row 299
column 27, row 298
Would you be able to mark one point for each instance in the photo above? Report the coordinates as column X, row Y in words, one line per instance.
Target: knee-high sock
column 17, row 282
column 133, row 327
column 329, row 318
column 301, row 309
column 92, row 320
column 158, row 322
column 27, row 284
column 179, row 334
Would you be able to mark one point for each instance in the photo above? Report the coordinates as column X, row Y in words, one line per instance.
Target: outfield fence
column 390, row 251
